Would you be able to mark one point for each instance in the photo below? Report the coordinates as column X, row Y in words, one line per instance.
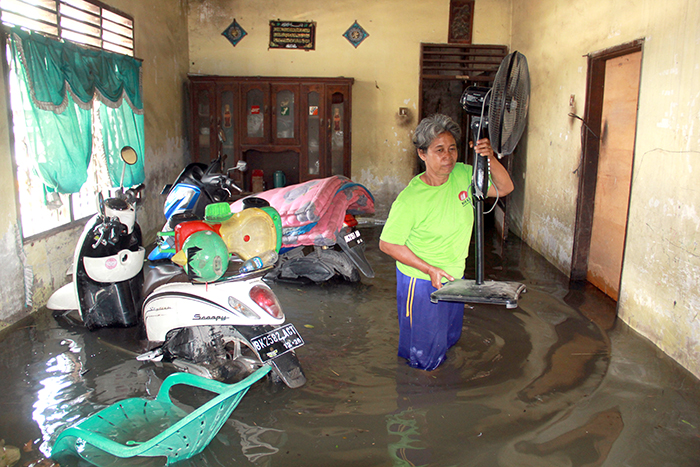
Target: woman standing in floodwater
column 428, row 233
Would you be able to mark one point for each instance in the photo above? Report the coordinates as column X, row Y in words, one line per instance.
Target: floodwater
column 556, row 382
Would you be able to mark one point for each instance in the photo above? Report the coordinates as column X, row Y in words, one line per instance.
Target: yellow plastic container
column 249, row 233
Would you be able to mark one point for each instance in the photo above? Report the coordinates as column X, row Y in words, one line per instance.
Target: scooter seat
column 155, row 275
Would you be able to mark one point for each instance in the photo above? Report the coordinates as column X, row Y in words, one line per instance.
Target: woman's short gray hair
column 431, row 127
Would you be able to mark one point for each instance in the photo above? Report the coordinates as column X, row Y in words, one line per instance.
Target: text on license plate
column 274, row 343
column 353, row 238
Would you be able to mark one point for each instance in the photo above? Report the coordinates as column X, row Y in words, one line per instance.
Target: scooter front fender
column 352, row 245
column 64, row 298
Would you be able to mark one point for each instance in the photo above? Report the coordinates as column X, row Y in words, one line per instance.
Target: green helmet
column 206, row 256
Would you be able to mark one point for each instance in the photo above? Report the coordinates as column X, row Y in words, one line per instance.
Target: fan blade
column 509, row 103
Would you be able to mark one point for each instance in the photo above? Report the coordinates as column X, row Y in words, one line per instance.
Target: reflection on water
column 407, row 448
column 589, row 443
column 555, row 382
column 253, row 440
column 60, row 395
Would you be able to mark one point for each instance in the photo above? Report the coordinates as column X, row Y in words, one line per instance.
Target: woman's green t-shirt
column 435, row 222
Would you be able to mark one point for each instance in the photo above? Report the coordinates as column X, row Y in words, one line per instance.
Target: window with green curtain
column 58, row 82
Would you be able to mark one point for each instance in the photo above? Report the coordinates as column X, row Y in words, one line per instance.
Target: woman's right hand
column 436, row 275
column 404, row 255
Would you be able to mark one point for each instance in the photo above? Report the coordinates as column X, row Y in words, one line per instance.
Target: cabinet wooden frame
column 274, row 139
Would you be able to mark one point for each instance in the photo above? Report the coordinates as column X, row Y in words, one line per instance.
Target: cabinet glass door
column 338, row 129
column 314, row 133
column 203, row 126
column 285, row 118
column 227, row 123
column 255, row 112
column 285, row 114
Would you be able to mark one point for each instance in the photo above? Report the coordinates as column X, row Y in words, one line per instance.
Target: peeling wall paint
column 661, row 274
column 12, row 293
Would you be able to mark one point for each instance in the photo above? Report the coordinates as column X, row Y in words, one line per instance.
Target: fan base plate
column 490, row 292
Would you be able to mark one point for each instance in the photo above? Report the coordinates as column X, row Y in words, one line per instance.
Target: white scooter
column 107, row 263
column 214, row 330
column 218, row 329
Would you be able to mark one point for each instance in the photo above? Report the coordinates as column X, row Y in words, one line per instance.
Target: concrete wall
column 161, row 41
column 385, row 66
column 661, row 271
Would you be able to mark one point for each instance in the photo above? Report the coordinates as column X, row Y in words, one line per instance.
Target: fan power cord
column 497, row 195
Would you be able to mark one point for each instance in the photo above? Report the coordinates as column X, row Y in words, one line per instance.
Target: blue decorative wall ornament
column 355, row 34
column 234, row 33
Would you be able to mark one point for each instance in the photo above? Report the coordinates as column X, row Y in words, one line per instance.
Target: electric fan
column 502, row 111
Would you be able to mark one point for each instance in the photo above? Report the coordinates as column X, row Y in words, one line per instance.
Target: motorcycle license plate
column 276, row 342
column 353, row 238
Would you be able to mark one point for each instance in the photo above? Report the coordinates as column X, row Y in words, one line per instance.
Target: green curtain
column 58, row 81
column 61, row 144
column 122, row 127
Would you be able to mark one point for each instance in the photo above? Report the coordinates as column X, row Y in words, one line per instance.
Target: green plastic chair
column 154, row 427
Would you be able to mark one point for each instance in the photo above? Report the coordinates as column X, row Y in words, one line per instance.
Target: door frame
column 590, row 144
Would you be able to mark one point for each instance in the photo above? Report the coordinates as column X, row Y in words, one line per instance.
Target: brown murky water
column 556, row 382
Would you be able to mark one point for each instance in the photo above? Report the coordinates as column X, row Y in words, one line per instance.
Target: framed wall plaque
column 461, row 21
column 300, row 35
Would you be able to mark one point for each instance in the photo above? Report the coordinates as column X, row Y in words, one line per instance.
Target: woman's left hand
column 483, row 147
column 502, row 183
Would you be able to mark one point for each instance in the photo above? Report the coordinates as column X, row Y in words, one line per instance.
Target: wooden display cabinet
column 301, row 126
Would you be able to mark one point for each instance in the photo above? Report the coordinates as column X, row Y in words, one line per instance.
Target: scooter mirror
column 129, row 155
column 240, row 166
column 101, row 204
column 222, row 135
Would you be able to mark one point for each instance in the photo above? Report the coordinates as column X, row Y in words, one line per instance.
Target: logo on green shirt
column 464, row 197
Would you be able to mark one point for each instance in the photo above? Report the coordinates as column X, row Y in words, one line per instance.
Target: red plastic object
column 350, row 220
column 185, row 229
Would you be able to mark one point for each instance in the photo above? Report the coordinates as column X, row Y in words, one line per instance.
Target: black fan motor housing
column 475, row 100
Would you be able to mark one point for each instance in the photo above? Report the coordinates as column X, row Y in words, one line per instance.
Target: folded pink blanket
column 312, row 212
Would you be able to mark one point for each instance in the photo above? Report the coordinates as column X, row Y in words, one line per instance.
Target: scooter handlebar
column 232, row 186
column 133, row 195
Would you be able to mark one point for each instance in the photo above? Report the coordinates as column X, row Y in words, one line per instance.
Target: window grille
column 85, row 22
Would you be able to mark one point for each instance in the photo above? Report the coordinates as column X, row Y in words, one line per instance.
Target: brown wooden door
column 617, row 136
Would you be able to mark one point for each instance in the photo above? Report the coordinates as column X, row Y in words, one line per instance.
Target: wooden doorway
column 446, row 71
column 608, row 150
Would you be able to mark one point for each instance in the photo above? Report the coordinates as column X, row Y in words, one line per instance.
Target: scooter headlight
column 266, row 300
